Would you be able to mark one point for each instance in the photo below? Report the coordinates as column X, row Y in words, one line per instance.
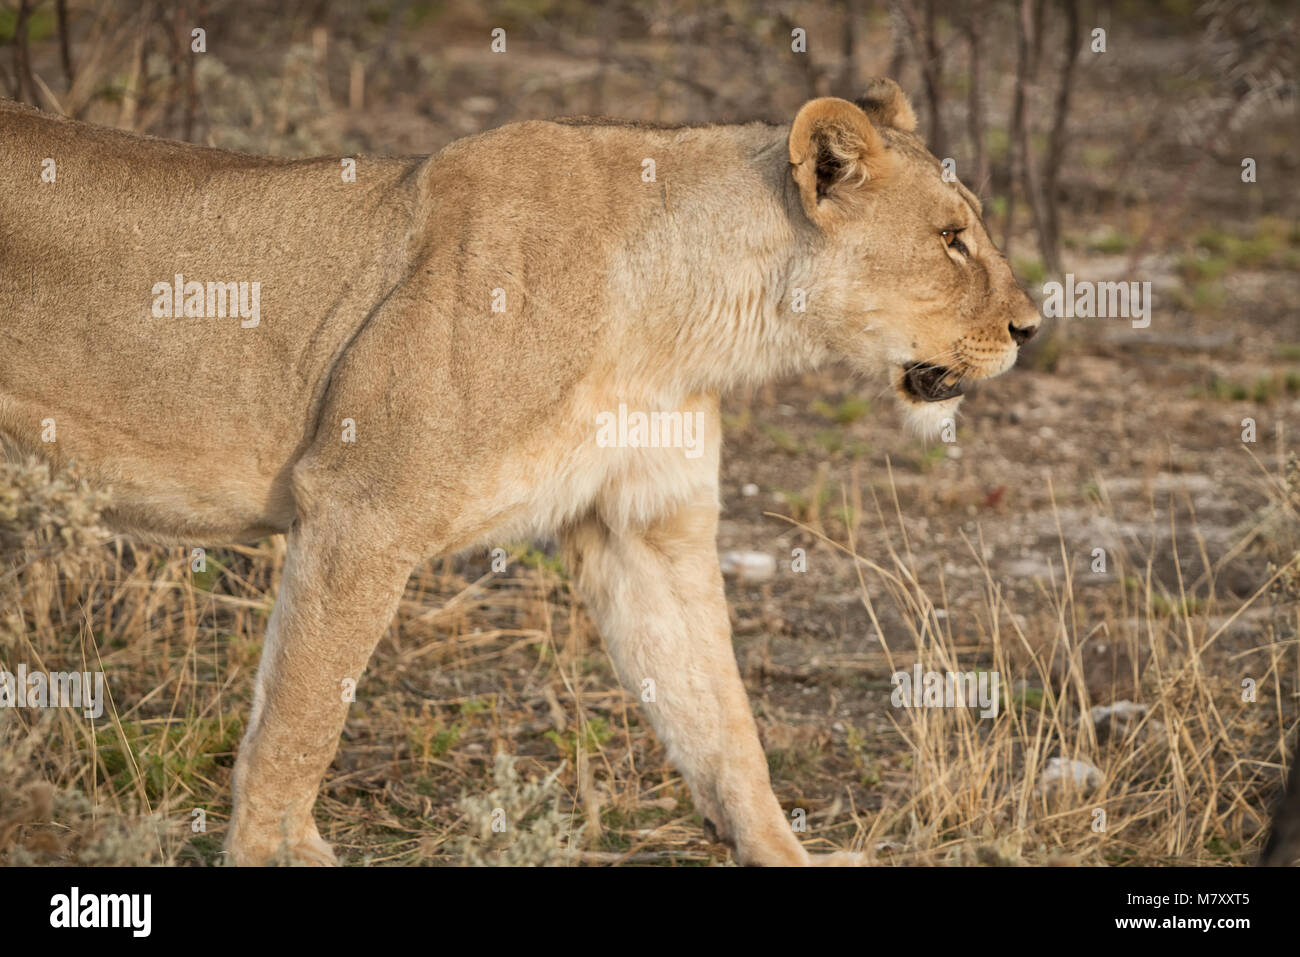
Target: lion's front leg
column 657, row 596
column 337, row 595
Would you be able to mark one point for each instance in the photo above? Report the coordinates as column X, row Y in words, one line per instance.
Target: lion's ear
column 835, row 156
column 886, row 103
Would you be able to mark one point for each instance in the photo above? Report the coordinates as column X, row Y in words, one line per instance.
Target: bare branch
column 24, row 82
column 65, row 50
column 925, row 44
column 1050, row 239
column 979, row 179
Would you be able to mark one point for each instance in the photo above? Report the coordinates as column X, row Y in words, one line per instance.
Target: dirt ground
column 1105, row 437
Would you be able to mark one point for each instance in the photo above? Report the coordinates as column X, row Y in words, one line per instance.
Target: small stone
column 1117, row 720
column 749, row 490
column 1067, row 773
column 748, row 566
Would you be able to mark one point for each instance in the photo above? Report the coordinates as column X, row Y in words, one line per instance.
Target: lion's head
column 905, row 270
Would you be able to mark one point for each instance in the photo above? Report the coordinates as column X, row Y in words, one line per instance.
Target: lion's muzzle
column 931, row 383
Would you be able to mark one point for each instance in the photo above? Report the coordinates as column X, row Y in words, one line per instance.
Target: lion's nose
column 1021, row 334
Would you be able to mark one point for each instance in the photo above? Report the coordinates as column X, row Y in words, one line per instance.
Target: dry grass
column 477, row 665
column 1183, row 783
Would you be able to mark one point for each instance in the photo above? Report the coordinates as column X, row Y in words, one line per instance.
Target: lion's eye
column 951, row 240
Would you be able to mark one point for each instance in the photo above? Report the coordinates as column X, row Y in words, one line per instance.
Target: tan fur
column 472, row 427
column 886, row 105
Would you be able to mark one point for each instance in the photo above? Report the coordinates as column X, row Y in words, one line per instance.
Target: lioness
column 421, row 353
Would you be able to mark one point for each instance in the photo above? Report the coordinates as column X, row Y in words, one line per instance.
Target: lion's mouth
column 931, row 383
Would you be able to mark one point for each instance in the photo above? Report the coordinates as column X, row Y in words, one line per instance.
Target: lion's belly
column 165, row 483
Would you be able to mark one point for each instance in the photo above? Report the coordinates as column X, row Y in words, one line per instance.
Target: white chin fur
column 927, row 419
